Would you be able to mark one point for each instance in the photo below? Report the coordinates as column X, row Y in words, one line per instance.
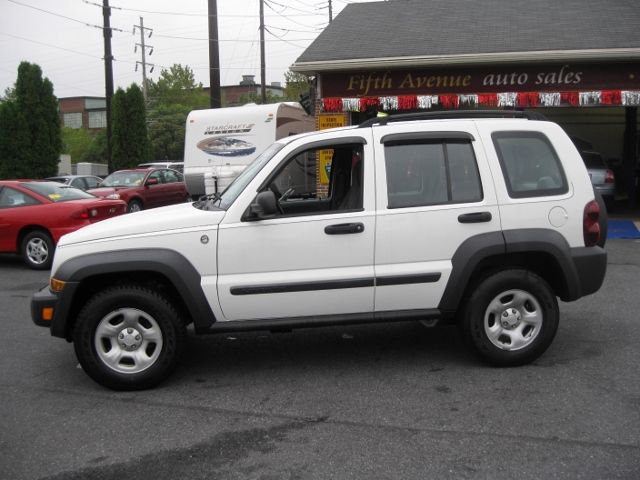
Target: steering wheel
column 286, row 194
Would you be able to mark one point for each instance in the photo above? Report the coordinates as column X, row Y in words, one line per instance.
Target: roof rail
column 406, row 117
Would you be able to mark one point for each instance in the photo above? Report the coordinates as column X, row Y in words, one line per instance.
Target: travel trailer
column 221, row 142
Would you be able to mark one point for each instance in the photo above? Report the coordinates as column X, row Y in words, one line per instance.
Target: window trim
column 434, row 136
column 562, row 190
column 318, row 145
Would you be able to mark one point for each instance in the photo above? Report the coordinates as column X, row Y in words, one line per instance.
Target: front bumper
column 43, row 306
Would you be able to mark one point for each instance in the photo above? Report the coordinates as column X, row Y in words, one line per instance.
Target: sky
column 64, row 37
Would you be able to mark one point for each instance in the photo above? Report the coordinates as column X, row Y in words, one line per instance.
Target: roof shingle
column 409, row 28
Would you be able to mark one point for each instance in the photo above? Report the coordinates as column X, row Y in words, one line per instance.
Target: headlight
column 56, row 285
column 113, row 196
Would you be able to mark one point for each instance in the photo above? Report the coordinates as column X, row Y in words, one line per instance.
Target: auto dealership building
column 577, row 62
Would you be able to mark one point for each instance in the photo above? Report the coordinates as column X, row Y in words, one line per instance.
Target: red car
column 143, row 188
column 35, row 214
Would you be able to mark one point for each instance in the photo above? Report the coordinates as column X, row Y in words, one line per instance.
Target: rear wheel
column 511, row 317
column 37, row 250
column 128, row 337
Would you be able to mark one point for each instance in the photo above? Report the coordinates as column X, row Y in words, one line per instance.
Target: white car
column 480, row 221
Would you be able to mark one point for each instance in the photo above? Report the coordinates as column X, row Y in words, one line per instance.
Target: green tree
column 97, row 151
column 256, row 97
column 295, row 85
column 76, row 142
column 14, row 142
column 30, row 146
column 170, row 100
column 129, row 140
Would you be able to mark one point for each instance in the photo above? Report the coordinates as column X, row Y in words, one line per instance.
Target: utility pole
column 143, row 49
column 263, row 91
column 214, row 56
column 108, row 74
column 330, row 12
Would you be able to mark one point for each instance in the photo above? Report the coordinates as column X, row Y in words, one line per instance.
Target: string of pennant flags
column 506, row 99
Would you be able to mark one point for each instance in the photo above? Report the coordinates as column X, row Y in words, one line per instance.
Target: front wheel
column 128, row 337
column 511, row 317
column 134, row 206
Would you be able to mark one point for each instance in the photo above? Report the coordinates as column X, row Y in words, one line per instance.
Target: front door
column 314, row 257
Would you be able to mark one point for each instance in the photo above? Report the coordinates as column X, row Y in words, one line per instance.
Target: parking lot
column 393, row 401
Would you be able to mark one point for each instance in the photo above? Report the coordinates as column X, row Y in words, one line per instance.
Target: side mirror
column 152, row 181
column 264, row 206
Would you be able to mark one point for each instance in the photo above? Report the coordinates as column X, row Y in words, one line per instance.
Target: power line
column 51, row 46
column 219, row 40
column 282, row 39
column 64, row 16
column 287, row 17
column 192, row 14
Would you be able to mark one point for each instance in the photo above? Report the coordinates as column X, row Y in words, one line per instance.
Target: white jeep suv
column 446, row 217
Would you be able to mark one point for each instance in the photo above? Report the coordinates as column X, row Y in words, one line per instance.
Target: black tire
column 603, row 220
column 134, row 206
column 37, row 250
column 528, row 313
column 149, row 327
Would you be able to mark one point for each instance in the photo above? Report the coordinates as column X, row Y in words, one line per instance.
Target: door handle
column 475, row 217
column 344, row 228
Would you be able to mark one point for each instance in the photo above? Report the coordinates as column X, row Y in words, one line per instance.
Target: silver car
column 602, row 178
column 83, row 182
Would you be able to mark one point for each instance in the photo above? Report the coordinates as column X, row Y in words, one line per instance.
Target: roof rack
column 406, row 117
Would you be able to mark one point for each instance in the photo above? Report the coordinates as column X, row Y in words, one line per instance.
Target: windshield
column 124, row 179
column 57, row 192
column 248, row 174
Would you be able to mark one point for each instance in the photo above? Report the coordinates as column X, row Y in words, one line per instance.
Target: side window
column 171, row 177
column 10, row 197
column 79, row 183
column 92, row 182
column 431, row 172
column 157, row 175
column 320, row 180
column 530, row 165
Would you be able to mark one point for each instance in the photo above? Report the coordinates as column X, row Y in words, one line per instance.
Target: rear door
column 434, row 191
column 174, row 185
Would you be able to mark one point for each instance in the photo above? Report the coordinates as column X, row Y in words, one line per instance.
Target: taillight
column 81, row 214
column 590, row 224
column 609, row 177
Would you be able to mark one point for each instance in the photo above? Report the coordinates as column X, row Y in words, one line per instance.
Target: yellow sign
column 331, row 120
column 328, row 121
column 325, row 166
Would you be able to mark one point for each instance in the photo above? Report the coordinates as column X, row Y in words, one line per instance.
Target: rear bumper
column 607, row 190
column 591, row 267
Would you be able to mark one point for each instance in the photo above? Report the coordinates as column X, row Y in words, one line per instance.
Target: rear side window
column 431, row 172
column 10, row 197
column 530, row 165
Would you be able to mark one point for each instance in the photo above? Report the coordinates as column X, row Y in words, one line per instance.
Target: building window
column 72, row 120
column 98, row 119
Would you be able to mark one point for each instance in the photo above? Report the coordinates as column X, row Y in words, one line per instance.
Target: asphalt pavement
column 393, row 401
